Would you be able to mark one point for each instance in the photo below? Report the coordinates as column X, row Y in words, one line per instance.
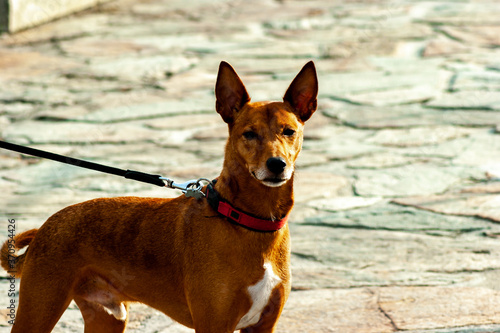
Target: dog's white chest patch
column 259, row 294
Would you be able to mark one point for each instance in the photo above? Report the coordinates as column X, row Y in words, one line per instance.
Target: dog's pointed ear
column 230, row 93
column 303, row 91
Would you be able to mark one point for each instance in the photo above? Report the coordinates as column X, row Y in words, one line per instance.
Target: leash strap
column 129, row 174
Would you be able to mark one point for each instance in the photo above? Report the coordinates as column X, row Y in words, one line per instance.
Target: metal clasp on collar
column 191, row 188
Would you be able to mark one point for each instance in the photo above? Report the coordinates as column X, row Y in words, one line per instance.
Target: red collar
column 238, row 217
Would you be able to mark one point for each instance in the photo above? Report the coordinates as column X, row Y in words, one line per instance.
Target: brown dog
column 203, row 262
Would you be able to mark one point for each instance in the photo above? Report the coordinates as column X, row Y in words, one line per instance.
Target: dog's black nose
column 276, row 165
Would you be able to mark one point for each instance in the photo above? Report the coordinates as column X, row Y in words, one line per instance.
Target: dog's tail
column 9, row 259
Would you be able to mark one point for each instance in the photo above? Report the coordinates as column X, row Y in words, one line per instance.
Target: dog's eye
column 288, row 132
column 249, row 135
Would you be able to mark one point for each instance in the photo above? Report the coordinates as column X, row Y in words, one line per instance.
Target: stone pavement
column 398, row 186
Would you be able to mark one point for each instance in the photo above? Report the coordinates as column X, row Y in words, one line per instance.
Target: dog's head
column 266, row 137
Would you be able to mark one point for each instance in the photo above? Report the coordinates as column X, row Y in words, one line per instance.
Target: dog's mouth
column 271, row 181
column 274, row 182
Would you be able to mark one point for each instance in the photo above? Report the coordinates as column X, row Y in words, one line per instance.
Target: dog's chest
column 259, row 294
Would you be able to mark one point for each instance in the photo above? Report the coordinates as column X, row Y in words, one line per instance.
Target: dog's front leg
column 217, row 310
column 214, row 323
column 269, row 318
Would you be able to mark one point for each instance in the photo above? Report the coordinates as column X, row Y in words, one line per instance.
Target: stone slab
column 338, row 143
column 27, row 64
column 23, row 14
column 342, row 203
column 475, row 100
column 488, row 159
column 414, row 308
column 463, row 151
column 143, row 69
column 84, row 133
column 327, row 310
column 63, row 29
column 476, row 80
column 483, row 35
column 385, row 216
column 495, row 328
column 389, row 159
column 415, row 179
column 418, row 136
column 486, row 206
column 311, row 185
column 135, row 110
column 394, row 96
column 344, row 254
column 370, row 117
column 442, row 46
column 346, row 84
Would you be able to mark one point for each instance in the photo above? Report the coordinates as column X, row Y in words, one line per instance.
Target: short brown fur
column 176, row 255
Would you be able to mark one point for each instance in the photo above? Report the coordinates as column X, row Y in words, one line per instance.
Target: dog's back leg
column 42, row 301
column 98, row 320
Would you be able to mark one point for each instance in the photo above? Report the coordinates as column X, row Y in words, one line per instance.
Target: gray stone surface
column 396, row 224
column 474, row 100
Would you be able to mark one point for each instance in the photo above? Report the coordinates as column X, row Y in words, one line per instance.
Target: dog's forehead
column 267, row 113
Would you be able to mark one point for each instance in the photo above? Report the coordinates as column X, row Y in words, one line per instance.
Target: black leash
column 129, row 174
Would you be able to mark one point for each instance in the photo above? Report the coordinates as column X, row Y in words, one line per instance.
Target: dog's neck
column 244, row 192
